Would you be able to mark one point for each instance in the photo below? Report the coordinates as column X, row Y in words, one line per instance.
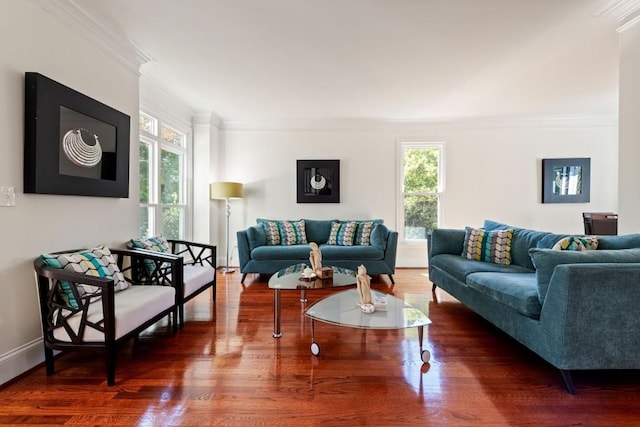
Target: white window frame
column 402, row 145
column 157, row 144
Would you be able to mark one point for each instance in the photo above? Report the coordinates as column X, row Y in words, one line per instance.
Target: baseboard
column 20, row 360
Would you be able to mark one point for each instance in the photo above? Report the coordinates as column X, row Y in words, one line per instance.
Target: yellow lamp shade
column 226, row 190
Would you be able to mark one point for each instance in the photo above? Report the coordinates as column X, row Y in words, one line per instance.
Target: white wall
column 33, row 40
column 629, row 212
column 493, row 170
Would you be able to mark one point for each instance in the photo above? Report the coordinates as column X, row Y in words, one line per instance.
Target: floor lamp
column 226, row 191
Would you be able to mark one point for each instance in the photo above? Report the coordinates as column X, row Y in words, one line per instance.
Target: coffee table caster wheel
column 426, row 356
column 315, row 349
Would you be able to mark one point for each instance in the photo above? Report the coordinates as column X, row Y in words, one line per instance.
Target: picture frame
column 566, row 180
column 318, row 181
column 74, row 144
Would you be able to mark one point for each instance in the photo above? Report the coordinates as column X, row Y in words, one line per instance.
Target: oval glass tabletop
column 342, row 309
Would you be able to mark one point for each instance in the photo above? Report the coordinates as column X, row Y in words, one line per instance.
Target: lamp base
column 227, row 270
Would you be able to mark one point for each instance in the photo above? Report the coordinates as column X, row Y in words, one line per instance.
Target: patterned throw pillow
column 272, row 231
column 577, row 243
column 342, row 233
column 363, row 233
column 490, row 246
column 96, row 262
column 292, row 233
column 157, row 244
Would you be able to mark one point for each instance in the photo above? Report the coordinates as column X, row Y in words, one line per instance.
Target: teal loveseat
column 372, row 244
column 578, row 310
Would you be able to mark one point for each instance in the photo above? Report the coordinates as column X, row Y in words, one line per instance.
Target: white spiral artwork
column 78, row 151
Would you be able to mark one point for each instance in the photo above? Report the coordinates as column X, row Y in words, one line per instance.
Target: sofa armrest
column 591, row 316
column 391, row 250
column 244, row 250
column 446, row 241
column 198, row 253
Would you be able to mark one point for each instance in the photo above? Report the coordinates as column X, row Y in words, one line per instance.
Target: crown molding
column 115, row 45
column 365, row 125
column 626, row 12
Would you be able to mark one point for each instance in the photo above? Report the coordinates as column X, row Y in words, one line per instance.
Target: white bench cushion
column 196, row 276
column 133, row 306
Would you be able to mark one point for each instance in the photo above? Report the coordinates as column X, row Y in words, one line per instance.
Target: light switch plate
column 7, row 196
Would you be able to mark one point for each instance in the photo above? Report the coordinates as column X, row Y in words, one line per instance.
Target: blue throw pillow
column 257, row 237
column 379, row 236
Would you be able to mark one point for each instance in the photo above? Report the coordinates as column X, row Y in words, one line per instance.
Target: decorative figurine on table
column 315, row 258
column 363, row 282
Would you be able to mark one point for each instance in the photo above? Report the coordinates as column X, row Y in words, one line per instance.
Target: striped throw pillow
column 363, row 233
column 96, row 262
column 272, row 231
column 489, row 246
column 342, row 233
column 292, row 233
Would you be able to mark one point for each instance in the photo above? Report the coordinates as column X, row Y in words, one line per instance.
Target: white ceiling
column 260, row 60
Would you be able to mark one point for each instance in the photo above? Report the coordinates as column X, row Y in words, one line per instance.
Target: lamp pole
column 226, row 268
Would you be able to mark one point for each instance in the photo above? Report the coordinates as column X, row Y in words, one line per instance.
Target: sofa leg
column 433, row 288
column 243, row 277
column 568, row 381
column 393, row 282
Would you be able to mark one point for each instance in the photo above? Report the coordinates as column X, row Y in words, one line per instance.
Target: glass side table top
column 291, row 278
column 342, row 309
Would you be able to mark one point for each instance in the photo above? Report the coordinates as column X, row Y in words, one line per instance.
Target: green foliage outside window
column 421, row 166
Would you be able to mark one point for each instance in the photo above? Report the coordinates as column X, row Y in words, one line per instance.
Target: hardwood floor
column 225, row 368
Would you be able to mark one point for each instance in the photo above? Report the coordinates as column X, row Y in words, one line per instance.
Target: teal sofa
column 578, row 310
column 257, row 256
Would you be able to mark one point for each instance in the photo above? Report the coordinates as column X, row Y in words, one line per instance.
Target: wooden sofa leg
column 243, row 277
column 393, row 282
column 433, row 288
column 568, row 381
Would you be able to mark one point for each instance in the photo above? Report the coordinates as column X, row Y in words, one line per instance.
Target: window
column 421, row 188
column 163, row 198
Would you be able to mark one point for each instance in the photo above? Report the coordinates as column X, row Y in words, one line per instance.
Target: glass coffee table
column 291, row 278
column 341, row 309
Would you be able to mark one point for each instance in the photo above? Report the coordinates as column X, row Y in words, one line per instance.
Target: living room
column 493, row 162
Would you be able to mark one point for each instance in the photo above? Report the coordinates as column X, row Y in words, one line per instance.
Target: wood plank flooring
column 225, row 368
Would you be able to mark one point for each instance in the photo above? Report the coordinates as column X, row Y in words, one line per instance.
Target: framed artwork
column 566, row 180
column 73, row 144
column 318, row 181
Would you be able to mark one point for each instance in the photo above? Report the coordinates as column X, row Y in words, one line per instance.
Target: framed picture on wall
column 74, row 144
column 318, row 181
column 566, row 180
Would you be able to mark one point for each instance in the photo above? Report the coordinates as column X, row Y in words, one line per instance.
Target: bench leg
column 110, row 354
column 48, row 359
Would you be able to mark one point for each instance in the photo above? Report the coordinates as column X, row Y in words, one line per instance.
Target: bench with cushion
column 96, row 298
column 197, row 266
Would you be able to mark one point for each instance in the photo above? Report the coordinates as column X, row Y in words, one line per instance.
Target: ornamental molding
column 114, row 43
column 625, row 12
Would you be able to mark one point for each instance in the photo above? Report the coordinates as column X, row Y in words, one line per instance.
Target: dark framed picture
column 566, row 180
column 73, row 144
column 318, row 181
